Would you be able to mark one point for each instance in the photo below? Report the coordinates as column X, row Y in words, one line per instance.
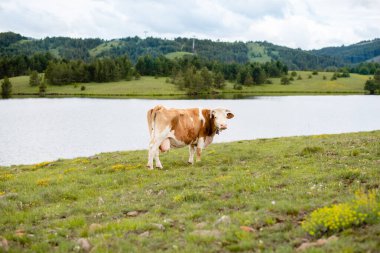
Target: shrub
column 311, row 150
column 268, row 81
column 285, row 80
column 315, row 73
column 83, row 88
column 326, row 220
column 238, row 86
column 6, row 88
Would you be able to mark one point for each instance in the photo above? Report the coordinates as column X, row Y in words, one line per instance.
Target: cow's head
column 220, row 117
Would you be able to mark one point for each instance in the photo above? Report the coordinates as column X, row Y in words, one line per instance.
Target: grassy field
column 178, row 54
column 244, row 196
column 150, row 86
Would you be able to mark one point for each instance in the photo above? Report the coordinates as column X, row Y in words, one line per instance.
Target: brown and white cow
column 175, row 128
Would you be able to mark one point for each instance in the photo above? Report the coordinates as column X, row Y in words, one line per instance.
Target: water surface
column 35, row 130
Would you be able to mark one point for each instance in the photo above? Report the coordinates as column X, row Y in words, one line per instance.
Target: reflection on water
column 35, row 130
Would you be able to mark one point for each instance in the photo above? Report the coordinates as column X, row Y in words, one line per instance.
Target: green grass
column 269, row 186
column 149, row 86
column 106, row 46
column 178, row 54
column 257, row 53
column 353, row 84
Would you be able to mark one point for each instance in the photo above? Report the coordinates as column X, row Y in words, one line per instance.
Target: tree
column 376, row 77
column 285, row 80
column 219, row 80
column 42, row 88
column 207, row 80
column 6, row 88
column 370, row 86
column 248, row 79
column 293, row 74
column 34, row 79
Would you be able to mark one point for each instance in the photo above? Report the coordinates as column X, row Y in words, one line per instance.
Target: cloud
column 294, row 23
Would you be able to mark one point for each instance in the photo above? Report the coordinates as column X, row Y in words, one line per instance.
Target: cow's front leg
column 191, row 154
column 200, row 146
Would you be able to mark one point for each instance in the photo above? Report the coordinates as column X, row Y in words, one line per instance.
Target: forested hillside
column 14, row 45
column 356, row 53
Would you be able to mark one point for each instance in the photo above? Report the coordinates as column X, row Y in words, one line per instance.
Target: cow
column 176, row 128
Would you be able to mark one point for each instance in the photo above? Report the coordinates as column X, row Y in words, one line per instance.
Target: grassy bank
column 158, row 87
column 243, row 196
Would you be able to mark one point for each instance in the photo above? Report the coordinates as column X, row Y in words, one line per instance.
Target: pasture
column 243, row 196
column 149, row 86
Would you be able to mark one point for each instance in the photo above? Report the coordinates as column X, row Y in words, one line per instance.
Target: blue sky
column 305, row 24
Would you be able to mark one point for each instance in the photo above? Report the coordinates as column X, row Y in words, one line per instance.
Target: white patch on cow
column 208, row 140
column 201, row 143
column 201, row 116
column 174, row 143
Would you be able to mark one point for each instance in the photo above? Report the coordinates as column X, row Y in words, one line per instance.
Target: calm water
column 35, row 130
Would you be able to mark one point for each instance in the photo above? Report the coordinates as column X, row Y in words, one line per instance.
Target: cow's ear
column 212, row 114
column 230, row 115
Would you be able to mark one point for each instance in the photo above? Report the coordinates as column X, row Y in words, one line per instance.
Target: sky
column 306, row 24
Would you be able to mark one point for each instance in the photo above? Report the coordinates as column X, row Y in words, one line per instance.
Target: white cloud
column 294, row 23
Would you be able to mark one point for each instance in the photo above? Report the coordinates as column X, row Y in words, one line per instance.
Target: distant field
column 105, row 47
column 353, row 84
column 147, row 85
column 257, row 53
column 150, row 86
column 178, row 54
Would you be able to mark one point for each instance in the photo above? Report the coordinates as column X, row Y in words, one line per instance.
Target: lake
column 35, row 130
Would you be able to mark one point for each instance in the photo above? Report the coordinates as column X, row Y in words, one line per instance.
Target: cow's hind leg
column 191, row 154
column 157, row 159
column 164, row 146
column 152, row 152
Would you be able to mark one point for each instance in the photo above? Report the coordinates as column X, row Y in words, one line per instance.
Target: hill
column 244, row 196
column 12, row 44
column 356, row 53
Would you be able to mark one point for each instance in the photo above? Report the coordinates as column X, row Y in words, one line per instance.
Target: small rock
column 201, row 225
column 145, row 234
column 247, row 229
column 11, row 195
column 4, row 244
column 168, row 221
column 84, row 244
column 149, row 192
column 225, row 220
column 158, row 226
column 161, row 192
column 93, row 227
column 98, row 215
column 132, row 213
column 319, row 242
column 207, row 233
column 100, row 201
column 20, row 232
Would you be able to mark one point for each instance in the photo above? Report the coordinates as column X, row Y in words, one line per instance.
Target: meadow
column 149, row 86
column 245, row 196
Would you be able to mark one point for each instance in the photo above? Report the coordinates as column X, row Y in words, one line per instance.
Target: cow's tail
column 151, row 116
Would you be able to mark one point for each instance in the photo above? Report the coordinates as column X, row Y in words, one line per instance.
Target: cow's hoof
column 159, row 167
column 149, row 167
column 190, row 163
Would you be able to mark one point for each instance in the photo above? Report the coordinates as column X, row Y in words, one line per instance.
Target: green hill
column 12, row 44
column 356, row 53
column 244, row 196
